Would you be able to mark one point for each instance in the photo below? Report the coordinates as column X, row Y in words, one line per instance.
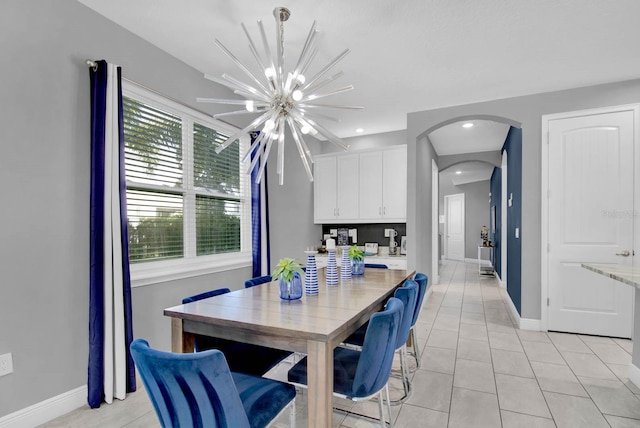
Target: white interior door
column 435, row 247
column 454, row 226
column 590, row 220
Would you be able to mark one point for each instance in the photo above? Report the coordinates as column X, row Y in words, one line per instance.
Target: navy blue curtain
column 259, row 219
column 96, row 378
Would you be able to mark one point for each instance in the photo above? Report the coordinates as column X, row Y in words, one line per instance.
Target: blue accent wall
column 513, row 147
column 495, row 228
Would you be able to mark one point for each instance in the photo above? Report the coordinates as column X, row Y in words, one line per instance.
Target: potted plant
column 357, row 260
column 289, row 272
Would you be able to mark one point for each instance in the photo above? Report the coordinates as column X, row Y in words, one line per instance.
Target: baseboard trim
column 634, row 374
column 522, row 323
column 46, row 410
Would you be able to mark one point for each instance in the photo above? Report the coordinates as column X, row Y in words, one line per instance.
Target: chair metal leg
column 382, row 424
column 404, row 374
column 416, row 348
column 292, row 414
column 386, row 390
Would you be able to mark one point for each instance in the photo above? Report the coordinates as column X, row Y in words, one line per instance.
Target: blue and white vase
column 357, row 266
column 291, row 290
column 332, row 269
column 345, row 264
column 311, row 274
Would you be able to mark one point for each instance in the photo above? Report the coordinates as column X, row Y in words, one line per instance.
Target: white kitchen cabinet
column 362, row 187
column 335, row 189
column 383, row 185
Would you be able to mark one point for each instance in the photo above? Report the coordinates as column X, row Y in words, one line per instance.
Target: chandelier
column 281, row 99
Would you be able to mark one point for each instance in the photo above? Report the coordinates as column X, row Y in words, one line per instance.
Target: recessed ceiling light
column 467, row 125
column 359, row 130
column 458, row 172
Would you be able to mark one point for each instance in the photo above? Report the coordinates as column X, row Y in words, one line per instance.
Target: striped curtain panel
column 111, row 370
column 259, row 219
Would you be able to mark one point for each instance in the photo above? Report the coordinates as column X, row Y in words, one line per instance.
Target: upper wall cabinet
column 383, row 185
column 335, row 187
column 361, row 187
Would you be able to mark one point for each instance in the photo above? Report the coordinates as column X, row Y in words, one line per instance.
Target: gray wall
column 291, row 206
column 476, row 211
column 527, row 111
column 44, row 168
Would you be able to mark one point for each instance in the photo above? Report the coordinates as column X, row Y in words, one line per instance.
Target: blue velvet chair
column 241, row 357
column 360, row 375
column 199, row 390
column 376, row 266
column 422, row 281
column 257, row 281
column 408, row 295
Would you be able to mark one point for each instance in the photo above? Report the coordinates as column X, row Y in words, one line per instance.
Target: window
column 188, row 207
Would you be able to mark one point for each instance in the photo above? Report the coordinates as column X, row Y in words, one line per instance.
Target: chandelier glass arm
column 299, row 142
column 241, row 66
column 326, row 68
column 243, row 131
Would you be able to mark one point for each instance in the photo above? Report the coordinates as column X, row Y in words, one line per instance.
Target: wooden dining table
column 314, row 324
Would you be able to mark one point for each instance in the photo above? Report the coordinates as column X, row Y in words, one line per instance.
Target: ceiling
column 407, row 56
column 483, row 136
column 467, row 172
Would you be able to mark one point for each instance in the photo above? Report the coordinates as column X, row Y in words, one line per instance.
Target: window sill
column 157, row 272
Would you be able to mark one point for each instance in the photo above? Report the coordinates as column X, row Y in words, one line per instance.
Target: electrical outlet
column 6, row 364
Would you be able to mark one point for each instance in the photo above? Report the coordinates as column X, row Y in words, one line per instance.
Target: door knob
column 625, row 253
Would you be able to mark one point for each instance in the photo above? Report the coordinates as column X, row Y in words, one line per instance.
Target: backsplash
column 370, row 232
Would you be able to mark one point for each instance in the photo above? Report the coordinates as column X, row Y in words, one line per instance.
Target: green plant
column 286, row 268
column 356, row 253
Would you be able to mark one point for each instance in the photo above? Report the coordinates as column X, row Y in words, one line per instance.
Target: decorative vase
column 311, row 274
column 291, row 290
column 357, row 266
column 332, row 269
column 345, row 264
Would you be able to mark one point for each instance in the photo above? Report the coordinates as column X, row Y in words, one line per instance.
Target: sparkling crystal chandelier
column 281, row 99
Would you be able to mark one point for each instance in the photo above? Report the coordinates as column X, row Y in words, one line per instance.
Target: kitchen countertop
column 629, row 275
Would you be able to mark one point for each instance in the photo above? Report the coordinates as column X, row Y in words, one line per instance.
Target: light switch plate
column 333, row 233
column 6, row 364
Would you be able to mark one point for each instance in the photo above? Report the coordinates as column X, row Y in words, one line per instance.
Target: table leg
column 180, row 341
column 320, row 383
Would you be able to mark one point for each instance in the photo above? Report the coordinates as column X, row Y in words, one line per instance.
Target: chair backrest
column 257, row 281
column 376, row 266
column 189, row 390
column 408, row 295
column 376, row 357
column 205, row 342
column 205, row 295
column 422, row 281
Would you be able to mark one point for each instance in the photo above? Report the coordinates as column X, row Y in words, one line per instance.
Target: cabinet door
column 394, row 184
column 325, row 179
column 347, row 187
column 370, row 185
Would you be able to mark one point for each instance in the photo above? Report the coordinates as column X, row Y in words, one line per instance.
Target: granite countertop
column 629, row 275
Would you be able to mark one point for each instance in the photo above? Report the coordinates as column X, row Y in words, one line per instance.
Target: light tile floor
column 477, row 370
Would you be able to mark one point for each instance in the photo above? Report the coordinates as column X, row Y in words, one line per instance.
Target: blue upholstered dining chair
column 360, row 375
column 257, row 281
column 199, row 390
column 241, row 357
column 376, row 266
column 408, row 295
column 422, row 281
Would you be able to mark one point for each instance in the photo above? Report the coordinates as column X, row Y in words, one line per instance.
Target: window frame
column 190, row 265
